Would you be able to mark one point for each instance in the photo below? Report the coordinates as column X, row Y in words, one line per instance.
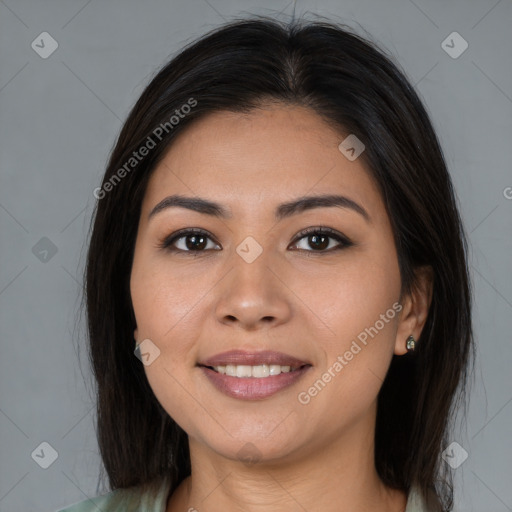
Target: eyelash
column 167, row 243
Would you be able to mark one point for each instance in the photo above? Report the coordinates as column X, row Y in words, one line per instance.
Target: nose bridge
column 252, row 292
column 252, row 268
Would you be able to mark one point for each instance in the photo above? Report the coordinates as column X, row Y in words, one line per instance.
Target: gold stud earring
column 410, row 344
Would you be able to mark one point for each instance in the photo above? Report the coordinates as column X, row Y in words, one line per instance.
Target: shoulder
column 103, row 502
column 416, row 502
column 125, row 500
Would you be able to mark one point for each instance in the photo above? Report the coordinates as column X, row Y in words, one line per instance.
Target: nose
column 253, row 295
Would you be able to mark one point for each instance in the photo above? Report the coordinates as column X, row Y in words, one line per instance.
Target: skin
column 194, row 305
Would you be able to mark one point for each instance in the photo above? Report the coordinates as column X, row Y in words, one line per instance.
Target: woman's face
column 250, row 282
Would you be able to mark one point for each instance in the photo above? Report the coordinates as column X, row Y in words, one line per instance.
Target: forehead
column 266, row 155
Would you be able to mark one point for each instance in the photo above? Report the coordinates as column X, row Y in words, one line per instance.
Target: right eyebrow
column 196, row 204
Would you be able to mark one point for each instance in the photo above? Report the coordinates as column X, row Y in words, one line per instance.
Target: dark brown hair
column 356, row 87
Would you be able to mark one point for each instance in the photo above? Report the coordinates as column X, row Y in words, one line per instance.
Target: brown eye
column 195, row 242
column 189, row 240
column 319, row 240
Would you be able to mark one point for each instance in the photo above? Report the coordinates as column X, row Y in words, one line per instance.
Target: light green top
column 143, row 503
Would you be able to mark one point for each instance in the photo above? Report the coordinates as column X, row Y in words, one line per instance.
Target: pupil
column 315, row 241
column 193, row 244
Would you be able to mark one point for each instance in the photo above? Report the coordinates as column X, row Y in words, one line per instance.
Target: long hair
column 357, row 88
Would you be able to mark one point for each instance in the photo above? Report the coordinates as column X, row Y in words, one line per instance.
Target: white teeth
column 260, row 371
column 243, row 371
column 230, row 370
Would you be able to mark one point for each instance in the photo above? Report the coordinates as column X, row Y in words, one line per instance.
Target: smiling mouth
column 262, row 371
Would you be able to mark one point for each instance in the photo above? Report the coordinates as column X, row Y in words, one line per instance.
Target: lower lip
column 253, row 388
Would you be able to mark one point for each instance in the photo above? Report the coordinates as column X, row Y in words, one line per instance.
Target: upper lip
column 241, row 357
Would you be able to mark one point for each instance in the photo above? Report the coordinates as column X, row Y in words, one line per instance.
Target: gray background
column 59, row 120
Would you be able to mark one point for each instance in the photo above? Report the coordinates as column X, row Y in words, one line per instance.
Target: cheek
column 360, row 305
column 351, row 299
column 163, row 298
column 168, row 313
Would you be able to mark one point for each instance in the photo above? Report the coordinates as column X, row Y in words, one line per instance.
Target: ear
column 415, row 308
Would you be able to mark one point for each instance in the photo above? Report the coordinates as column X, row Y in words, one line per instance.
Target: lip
column 251, row 388
column 253, row 359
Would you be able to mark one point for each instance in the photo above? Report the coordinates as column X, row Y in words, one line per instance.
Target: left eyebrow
column 309, row 202
column 283, row 211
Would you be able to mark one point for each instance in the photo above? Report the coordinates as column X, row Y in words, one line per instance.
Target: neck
column 331, row 475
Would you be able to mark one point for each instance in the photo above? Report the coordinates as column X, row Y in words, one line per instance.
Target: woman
column 277, row 236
